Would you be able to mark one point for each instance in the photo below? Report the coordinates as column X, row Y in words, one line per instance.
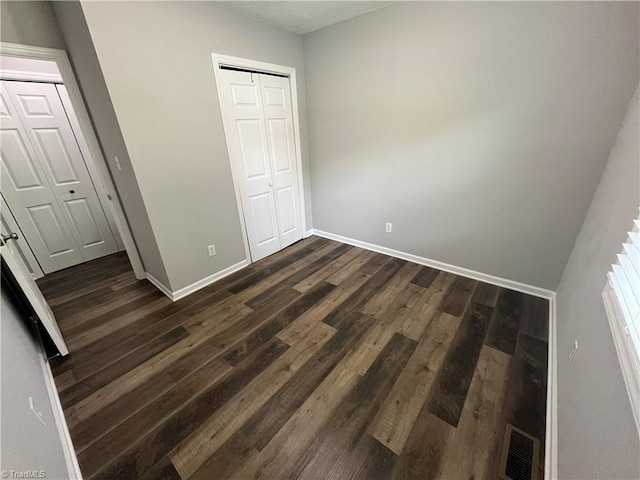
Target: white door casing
column 11, row 256
column 258, row 121
column 53, row 146
column 276, row 98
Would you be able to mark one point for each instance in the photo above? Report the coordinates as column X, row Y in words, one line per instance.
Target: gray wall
column 26, row 443
column 89, row 75
column 30, row 23
column 596, row 431
column 479, row 129
column 156, row 61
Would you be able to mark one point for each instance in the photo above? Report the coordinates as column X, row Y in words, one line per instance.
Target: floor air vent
column 520, row 455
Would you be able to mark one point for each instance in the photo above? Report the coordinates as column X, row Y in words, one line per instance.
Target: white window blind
column 624, row 279
column 621, row 297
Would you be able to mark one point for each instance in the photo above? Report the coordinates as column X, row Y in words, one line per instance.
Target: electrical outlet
column 37, row 412
column 573, row 351
column 388, row 227
column 118, row 166
column 212, row 250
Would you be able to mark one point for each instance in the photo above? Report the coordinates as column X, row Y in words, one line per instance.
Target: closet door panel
column 42, row 115
column 276, row 97
column 244, row 123
column 27, row 191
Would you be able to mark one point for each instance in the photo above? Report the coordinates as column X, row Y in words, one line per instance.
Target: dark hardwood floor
column 321, row 361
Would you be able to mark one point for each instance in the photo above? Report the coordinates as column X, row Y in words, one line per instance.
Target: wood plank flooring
column 320, row 361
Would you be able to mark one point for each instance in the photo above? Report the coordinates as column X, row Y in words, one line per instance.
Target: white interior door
column 278, row 114
column 70, row 227
column 258, row 121
column 26, row 189
column 247, row 141
column 11, row 256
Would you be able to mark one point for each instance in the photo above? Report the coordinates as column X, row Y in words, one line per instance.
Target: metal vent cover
column 520, row 455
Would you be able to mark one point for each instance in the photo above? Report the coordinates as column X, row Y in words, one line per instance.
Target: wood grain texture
column 353, row 266
column 487, row 294
column 279, row 458
column 525, row 406
column 335, row 266
column 481, row 424
column 425, row 306
column 361, row 296
column 425, row 277
column 457, row 298
column 379, row 302
column 332, row 448
column 452, row 385
column 393, row 423
column 151, row 447
column 319, row 311
column 265, row 423
column 84, row 388
column 505, row 321
column 422, row 455
column 126, row 434
column 320, row 361
column 218, row 428
column 533, row 322
column 267, row 296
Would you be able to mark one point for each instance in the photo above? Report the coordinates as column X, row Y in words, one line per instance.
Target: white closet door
column 40, row 111
column 276, row 98
column 243, row 117
column 26, row 189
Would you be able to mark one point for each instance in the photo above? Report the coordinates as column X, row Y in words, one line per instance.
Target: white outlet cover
column 388, row 227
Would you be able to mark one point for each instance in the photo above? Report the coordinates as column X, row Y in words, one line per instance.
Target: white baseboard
column 194, row 287
column 308, row 233
column 183, row 292
column 464, row 272
column 159, row 285
column 63, row 429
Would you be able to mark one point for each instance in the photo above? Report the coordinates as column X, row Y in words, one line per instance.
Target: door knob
column 270, row 185
column 5, row 238
column 72, row 192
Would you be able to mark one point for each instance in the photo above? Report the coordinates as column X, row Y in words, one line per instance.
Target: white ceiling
column 302, row 16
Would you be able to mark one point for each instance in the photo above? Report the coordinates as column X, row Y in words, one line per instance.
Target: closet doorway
column 45, row 181
column 58, row 205
column 259, row 112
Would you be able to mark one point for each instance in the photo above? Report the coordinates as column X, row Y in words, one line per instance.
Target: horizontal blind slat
column 625, row 295
column 631, row 273
column 634, row 255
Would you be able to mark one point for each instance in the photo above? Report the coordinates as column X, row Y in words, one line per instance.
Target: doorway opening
column 58, row 206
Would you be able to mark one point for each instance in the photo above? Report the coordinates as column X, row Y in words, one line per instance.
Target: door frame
column 229, row 61
column 88, row 144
